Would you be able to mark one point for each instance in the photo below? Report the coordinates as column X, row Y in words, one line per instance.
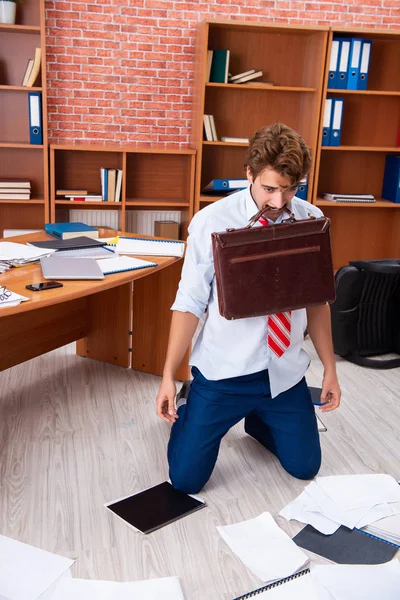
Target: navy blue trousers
column 286, row 425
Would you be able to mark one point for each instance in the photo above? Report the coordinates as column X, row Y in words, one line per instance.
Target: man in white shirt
column 235, row 372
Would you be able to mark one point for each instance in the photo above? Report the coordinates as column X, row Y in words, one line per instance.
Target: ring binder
column 275, row 584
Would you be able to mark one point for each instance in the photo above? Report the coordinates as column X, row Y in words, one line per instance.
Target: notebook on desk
column 149, row 247
column 70, row 244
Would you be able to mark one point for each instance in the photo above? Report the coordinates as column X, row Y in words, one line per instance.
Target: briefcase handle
column 267, row 210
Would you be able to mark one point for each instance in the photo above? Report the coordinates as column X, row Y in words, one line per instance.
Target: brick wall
column 121, row 71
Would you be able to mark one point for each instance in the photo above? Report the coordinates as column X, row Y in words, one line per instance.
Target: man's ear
column 249, row 175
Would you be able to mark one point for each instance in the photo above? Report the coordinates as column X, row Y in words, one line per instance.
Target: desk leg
column 109, row 315
column 153, row 297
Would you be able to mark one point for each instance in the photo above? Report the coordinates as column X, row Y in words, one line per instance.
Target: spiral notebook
column 123, row 263
column 148, row 247
column 298, row 586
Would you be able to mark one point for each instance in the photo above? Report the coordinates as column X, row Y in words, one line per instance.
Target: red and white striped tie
column 279, row 325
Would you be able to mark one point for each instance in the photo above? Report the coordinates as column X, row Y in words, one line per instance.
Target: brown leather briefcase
column 267, row 270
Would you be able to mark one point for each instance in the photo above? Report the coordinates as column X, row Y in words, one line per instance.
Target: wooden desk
column 110, row 322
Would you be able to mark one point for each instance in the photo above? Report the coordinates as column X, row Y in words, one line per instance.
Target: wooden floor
column 75, row 433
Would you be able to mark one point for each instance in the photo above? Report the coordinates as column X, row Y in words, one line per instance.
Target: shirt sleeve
column 198, row 269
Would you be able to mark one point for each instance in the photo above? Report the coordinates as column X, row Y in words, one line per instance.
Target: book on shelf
column 233, row 78
column 263, row 83
column 219, row 66
column 208, row 66
column 35, row 69
column 207, row 128
column 71, row 192
column 213, row 128
column 235, row 140
column 85, row 198
column 111, row 183
column 28, row 71
column 364, row 198
column 9, row 182
column 250, row 77
column 15, row 194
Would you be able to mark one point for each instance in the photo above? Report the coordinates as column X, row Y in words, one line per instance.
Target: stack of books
column 210, row 131
column 78, row 195
column 111, row 182
column 246, row 76
column 15, row 189
column 364, row 198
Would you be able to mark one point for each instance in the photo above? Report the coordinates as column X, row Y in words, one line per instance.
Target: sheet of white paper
column 15, row 251
column 48, row 595
column 380, row 511
column 13, row 300
column 355, row 582
column 264, row 547
column 331, row 510
column 305, row 510
column 299, row 589
column 357, row 491
column 164, row 588
column 27, row 572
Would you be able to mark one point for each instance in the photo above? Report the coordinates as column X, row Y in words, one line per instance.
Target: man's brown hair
column 280, row 148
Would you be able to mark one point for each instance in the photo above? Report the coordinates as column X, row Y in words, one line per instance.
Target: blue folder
column 336, row 121
column 333, row 64
column 354, row 63
column 35, row 118
column 364, row 64
column 343, row 67
column 391, row 179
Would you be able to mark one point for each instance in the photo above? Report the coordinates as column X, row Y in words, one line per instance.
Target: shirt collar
column 252, row 208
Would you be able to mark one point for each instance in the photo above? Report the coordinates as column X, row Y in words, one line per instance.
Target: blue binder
column 364, row 64
column 333, row 64
column 343, row 68
column 326, row 124
column 354, row 64
column 391, row 179
column 336, row 121
column 35, row 117
column 226, row 185
column 302, row 190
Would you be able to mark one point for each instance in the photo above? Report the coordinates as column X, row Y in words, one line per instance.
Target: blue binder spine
column 391, row 179
column 302, row 190
column 326, row 125
column 35, row 118
column 364, row 64
column 343, row 68
column 333, row 64
column 226, row 185
column 354, row 64
column 336, row 122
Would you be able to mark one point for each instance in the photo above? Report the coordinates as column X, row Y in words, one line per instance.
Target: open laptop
column 70, row 268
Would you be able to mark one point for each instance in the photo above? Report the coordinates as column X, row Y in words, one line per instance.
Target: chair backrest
column 366, row 313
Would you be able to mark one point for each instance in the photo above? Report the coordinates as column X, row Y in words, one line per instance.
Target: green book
column 219, row 66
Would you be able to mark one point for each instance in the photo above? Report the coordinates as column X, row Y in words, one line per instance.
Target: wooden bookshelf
column 370, row 126
column 18, row 158
column 291, row 56
column 152, row 179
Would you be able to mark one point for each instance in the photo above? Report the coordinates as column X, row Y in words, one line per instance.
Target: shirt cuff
column 195, row 310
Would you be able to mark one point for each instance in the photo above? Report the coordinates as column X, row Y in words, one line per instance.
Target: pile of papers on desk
column 350, row 500
column 17, row 255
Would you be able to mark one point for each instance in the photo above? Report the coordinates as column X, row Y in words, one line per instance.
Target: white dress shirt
column 226, row 348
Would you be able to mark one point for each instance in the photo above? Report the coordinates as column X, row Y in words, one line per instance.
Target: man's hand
column 330, row 394
column 165, row 401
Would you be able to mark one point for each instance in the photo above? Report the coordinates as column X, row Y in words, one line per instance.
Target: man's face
column 270, row 188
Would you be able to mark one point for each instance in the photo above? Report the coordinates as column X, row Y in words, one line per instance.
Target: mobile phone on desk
column 43, row 285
